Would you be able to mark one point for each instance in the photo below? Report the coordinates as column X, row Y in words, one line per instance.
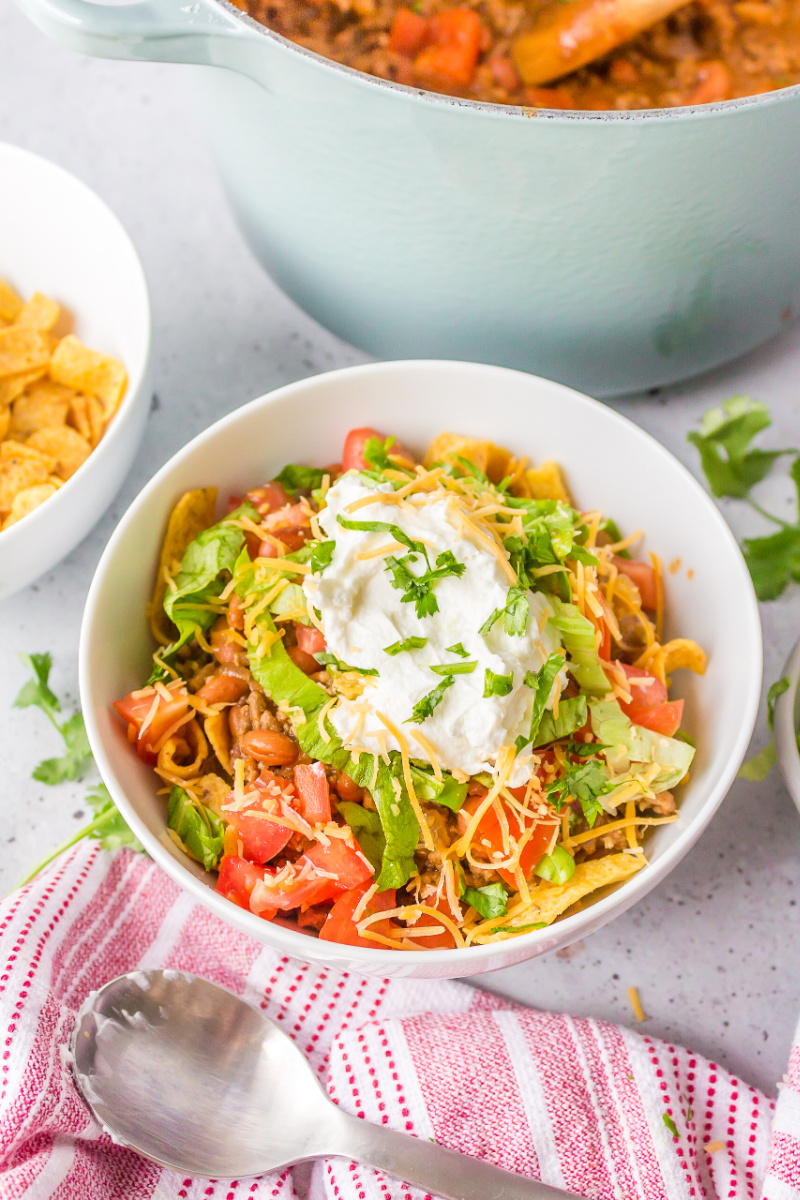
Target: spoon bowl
column 198, row 1080
column 195, row 1078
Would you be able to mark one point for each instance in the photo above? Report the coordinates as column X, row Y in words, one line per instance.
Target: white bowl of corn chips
column 74, row 363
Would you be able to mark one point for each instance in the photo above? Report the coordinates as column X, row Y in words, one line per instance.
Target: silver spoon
column 196, row 1079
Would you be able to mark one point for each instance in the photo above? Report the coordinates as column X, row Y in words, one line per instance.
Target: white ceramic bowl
column 610, row 464
column 787, row 725
column 58, row 237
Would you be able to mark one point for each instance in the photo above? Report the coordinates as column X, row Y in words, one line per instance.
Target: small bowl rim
column 137, row 376
column 291, row 941
column 785, row 730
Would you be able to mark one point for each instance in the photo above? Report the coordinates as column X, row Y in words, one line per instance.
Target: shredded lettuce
column 367, row 830
column 556, row 867
column 207, row 564
column 624, row 740
column 577, row 634
column 489, row 901
column 572, row 714
column 200, row 830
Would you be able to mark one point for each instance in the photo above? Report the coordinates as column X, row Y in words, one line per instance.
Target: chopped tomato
column 661, row 718
column 356, row 440
column 649, row 706
column 410, row 32
column 135, row 710
column 340, row 926
column 310, row 639
column 261, row 838
column 354, row 443
column 291, row 516
column 490, row 830
column 643, row 575
column 643, row 695
column 312, row 786
column 291, row 537
column 293, row 889
column 269, row 498
column 440, row 941
column 455, row 43
column 237, row 878
column 341, row 859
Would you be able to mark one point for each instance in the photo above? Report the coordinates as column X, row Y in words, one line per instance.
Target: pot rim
column 602, row 116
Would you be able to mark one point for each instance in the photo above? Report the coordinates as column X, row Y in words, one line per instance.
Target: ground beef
column 709, row 50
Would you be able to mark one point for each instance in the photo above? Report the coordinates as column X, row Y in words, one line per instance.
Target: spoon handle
column 435, row 1169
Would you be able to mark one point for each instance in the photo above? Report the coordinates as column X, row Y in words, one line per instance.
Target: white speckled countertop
column 713, row 950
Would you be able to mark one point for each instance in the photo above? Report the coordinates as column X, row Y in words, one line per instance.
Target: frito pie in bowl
column 443, row 685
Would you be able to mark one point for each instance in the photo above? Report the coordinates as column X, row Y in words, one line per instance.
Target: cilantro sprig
column 514, row 613
column 418, row 589
column 107, row 824
column 733, row 466
column 585, row 783
column 77, row 757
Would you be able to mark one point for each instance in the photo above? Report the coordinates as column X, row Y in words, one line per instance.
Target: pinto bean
column 223, row 649
column 267, row 746
column 236, row 612
column 347, row 788
column 222, row 689
column 306, row 662
column 239, row 720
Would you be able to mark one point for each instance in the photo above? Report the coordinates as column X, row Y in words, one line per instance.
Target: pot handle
column 192, row 31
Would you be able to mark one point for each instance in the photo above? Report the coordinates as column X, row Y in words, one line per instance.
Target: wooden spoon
column 566, row 36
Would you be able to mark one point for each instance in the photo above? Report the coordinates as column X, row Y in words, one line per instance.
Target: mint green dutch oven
column 611, row 251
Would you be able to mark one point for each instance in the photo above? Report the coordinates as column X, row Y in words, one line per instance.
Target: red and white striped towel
column 581, row 1104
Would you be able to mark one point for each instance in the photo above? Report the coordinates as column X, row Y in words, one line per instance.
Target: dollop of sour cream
column 362, row 613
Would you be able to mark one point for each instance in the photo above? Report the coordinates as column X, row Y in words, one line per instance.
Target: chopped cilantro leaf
column 409, row 643
column 458, row 649
column 462, row 668
column 514, row 613
column 321, row 555
column 584, row 783
column 418, row 589
column 376, row 453
column 670, row 1124
column 497, row 685
column 326, row 659
column 490, row 621
column 515, row 620
column 424, row 707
